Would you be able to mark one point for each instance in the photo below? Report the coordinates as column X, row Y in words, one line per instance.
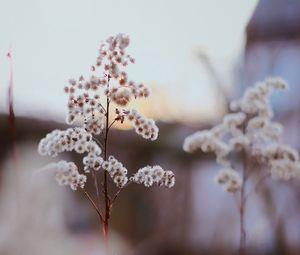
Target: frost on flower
column 250, row 129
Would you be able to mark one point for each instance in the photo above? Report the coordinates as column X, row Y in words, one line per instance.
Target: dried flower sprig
column 89, row 105
column 251, row 132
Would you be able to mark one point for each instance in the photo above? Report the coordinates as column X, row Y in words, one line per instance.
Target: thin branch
column 118, row 192
column 256, row 187
column 105, row 183
column 111, row 124
column 93, row 204
column 98, row 143
column 96, row 187
column 103, row 108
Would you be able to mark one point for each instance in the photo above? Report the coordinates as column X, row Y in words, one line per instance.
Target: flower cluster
column 229, row 179
column 250, row 129
column 92, row 162
column 121, row 95
column 256, row 98
column 89, row 102
column 283, row 161
column 67, row 174
column 68, row 140
column 207, row 142
column 113, row 58
column 154, row 175
column 116, row 171
column 143, row 126
column 84, row 103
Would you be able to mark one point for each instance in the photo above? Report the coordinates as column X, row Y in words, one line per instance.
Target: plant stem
column 242, row 249
column 13, row 131
column 96, row 187
column 242, row 208
column 93, row 204
column 107, row 202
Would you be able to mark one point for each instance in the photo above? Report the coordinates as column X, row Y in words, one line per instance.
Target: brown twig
column 111, row 124
column 118, row 193
column 98, row 143
column 256, row 187
column 93, row 204
column 12, row 128
column 242, row 209
column 105, row 184
column 11, row 116
column 243, row 199
column 96, row 187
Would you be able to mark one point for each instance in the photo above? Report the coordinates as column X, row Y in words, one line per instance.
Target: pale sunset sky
column 55, row 40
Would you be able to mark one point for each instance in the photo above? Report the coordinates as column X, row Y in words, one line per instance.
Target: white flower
column 238, row 143
column 284, row 169
column 66, row 174
column 120, row 95
column 116, row 171
column 143, row 126
column 207, row 141
column 95, row 125
column 92, row 162
column 67, row 140
column 154, row 175
column 229, row 179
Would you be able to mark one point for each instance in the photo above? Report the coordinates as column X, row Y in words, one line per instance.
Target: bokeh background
column 196, row 56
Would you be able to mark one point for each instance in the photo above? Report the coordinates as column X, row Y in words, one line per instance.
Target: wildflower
column 251, row 130
column 109, row 82
column 66, row 140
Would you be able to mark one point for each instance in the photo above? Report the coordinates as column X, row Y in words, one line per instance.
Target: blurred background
column 196, row 56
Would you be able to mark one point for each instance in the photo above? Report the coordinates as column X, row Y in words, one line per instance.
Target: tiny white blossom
column 150, row 175
column 143, row 126
column 229, row 179
column 67, row 140
column 66, row 174
column 116, row 171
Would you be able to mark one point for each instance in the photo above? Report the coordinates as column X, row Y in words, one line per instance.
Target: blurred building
column 273, row 49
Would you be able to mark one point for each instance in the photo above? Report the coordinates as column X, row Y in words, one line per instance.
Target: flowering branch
column 107, row 200
column 118, row 192
column 93, row 204
column 110, row 83
column 253, row 135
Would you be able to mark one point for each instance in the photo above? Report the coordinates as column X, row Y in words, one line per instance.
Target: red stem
column 107, row 200
column 242, row 209
column 11, row 116
column 12, row 128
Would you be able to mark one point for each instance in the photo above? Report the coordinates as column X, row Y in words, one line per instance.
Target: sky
column 55, row 40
